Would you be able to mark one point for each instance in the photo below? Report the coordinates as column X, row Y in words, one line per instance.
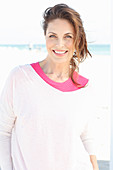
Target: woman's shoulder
column 20, row 68
column 18, row 71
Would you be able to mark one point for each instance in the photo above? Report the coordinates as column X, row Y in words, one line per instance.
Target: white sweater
column 43, row 127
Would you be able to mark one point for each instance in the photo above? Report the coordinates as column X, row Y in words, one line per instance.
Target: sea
column 96, row 49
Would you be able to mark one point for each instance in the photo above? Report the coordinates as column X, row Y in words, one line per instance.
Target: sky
column 20, row 20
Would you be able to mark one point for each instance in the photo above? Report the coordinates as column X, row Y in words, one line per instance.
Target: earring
column 74, row 54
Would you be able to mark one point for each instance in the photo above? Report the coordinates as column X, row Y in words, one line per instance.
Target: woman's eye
column 52, row 36
column 68, row 36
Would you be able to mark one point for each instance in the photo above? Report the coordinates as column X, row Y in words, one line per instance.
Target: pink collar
column 65, row 86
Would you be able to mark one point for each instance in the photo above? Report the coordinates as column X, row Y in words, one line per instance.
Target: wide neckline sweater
column 65, row 86
column 44, row 124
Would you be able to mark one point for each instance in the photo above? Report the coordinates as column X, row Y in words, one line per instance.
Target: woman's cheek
column 69, row 43
column 50, row 42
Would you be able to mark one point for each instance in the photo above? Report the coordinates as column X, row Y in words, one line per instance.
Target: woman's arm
column 7, row 120
column 94, row 162
column 88, row 140
column 5, row 153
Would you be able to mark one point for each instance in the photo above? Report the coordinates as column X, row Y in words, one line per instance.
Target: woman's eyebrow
column 51, row 33
column 69, row 33
column 64, row 34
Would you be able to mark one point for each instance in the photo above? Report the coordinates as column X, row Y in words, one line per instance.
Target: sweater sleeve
column 87, row 136
column 7, row 120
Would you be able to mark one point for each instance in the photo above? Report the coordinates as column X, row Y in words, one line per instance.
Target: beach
column 96, row 69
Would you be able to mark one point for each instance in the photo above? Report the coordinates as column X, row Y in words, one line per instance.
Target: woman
column 44, row 109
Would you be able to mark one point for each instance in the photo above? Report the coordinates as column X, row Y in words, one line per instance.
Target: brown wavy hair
column 63, row 11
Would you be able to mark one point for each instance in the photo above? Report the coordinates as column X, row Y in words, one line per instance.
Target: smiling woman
column 60, row 41
column 45, row 113
column 64, row 33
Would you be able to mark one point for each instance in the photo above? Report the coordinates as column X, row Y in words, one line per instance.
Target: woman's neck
column 56, row 71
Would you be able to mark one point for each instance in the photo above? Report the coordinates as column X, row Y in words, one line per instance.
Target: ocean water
column 96, row 49
column 100, row 49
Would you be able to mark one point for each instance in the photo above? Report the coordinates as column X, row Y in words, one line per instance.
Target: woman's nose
column 60, row 42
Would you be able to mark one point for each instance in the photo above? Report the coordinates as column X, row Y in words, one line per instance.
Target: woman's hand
column 94, row 162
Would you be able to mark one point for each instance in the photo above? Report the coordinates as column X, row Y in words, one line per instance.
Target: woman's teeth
column 60, row 52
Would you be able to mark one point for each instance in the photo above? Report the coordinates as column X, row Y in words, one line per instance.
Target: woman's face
column 60, row 40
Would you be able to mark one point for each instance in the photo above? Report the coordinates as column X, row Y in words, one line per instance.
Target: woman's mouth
column 60, row 52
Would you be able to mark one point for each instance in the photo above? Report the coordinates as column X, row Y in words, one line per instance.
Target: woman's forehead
column 60, row 25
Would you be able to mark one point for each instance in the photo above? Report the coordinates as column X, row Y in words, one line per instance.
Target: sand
column 96, row 69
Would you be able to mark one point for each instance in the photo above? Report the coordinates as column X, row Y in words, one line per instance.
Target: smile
column 60, row 52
